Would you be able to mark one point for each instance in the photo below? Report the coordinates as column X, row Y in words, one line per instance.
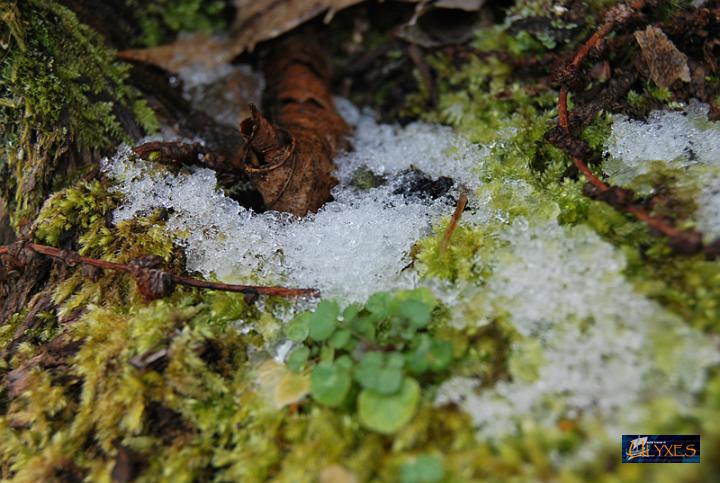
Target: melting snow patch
column 355, row 245
column 589, row 343
column 681, row 139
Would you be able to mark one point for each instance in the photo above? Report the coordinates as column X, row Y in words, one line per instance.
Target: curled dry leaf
column 665, row 62
column 152, row 283
column 290, row 162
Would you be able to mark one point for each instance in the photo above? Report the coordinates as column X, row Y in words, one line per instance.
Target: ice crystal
column 590, row 338
column 354, row 246
column 680, row 139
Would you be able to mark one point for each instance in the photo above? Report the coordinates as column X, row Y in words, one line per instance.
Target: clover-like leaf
column 387, row 414
column 323, row 321
column 330, row 384
column 374, row 372
column 364, row 326
column 440, row 355
column 340, row 339
column 297, row 358
column 350, row 312
column 299, row 329
column 379, row 305
column 416, row 312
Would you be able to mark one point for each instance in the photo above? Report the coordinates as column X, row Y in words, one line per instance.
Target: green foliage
column 422, row 469
column 323, row 321
column 160, row 20
column 373, row 349
column 388, row 413
column 61, row 93
column 330, row 383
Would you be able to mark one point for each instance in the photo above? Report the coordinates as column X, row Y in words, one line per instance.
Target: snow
column 683, row 139
column 587, row 343
column 222, row 91
column 354, row 246
column 592, row 339
column 708, row 214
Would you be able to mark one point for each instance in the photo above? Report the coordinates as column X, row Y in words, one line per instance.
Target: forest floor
column 471, row 242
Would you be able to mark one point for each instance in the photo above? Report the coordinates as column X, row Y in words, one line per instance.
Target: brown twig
column 459, row 208
column 152, row 282
column 684, row 241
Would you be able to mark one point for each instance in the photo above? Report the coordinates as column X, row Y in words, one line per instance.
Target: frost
column 355, row 245
column 223, row 91
column 680, row 139
column 388, row 149
column 708, row 214
column 563, row 288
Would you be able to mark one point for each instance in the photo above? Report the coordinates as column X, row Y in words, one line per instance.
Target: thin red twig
column 74, row 258
column 622, row 14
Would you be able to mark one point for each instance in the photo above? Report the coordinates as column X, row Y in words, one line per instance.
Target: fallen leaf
column 290, row 161
column 291, row 388
column 665, row 62
column 187, row 50
column 257, row 21
column 279, row 385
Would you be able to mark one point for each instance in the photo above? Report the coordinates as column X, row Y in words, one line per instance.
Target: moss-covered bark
column 65, row 100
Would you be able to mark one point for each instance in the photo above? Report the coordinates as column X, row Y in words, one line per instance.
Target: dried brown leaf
column 290, row 160
column 257, row 21
column 188, row 50
column 665, row 62
column 152, row 283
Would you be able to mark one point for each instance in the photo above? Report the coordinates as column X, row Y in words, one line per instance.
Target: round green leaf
column 387, row 414
column 350, row 312
column 418, row 360
column 388, row 381
column 374, row 372
column 297, row 358
column 396, row 360
column 323, row 321
column 440, row 355
column 379, row 305
column 340, row 338
column 329, row 384
column 299, row 329
column 344, row 362
column 422, row 469
column 416, row 312
column 364, row 326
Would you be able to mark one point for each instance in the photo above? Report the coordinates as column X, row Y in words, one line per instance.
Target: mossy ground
column 212, row 405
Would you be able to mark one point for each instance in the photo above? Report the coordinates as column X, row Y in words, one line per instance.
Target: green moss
column 187, row 384
column 61, row 93
column 161, row 20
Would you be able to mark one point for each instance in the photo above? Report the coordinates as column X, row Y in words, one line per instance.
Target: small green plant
column 371, row 355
